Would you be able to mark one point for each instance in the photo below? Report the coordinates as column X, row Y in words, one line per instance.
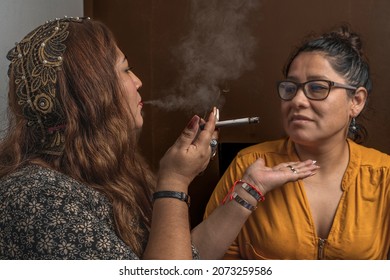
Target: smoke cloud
column 218, row 48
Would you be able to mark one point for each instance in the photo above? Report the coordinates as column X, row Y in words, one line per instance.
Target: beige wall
column 150, row 31
column 17, row 18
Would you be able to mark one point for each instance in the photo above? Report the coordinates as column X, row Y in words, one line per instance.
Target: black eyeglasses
column 313, row 90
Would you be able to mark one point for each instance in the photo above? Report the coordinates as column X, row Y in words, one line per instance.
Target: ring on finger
column 292, row 169
column 213, row 145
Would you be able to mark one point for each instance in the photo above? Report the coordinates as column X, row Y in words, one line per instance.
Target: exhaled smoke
column 218, row 48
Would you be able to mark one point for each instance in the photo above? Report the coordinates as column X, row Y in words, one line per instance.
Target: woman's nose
column 300, row 96
column 137, row 81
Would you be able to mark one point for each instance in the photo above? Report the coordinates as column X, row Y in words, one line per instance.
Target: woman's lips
column 299, row 118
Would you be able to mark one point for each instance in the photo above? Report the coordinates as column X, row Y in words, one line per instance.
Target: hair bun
column 345, row 34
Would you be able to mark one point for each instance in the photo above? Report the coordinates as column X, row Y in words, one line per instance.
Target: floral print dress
column 45, row 214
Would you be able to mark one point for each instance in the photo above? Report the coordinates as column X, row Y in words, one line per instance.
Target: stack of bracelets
column 252, row 190
column 232, row 195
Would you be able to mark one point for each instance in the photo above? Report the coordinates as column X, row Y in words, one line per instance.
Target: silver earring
column 353, row 128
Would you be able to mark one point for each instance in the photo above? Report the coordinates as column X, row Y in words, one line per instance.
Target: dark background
column 150, row 31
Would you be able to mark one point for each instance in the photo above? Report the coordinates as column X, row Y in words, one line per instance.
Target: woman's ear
column 358, row 101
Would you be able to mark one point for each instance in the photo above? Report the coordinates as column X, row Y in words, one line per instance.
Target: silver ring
column 213, row 145
column 292, row 169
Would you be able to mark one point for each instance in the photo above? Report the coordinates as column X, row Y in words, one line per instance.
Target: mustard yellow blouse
column 282, row 226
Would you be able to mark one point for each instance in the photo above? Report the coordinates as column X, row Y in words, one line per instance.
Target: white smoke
column 218, row 48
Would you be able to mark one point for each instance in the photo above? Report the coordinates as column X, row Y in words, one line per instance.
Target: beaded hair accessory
column 34, row 64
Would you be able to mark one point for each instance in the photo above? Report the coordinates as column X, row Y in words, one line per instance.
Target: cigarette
column 235, row 122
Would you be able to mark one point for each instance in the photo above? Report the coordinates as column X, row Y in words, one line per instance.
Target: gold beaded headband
column 34, row 64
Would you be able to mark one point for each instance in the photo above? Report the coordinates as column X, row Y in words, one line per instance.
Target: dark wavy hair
column 343, row 48
column 101, row 147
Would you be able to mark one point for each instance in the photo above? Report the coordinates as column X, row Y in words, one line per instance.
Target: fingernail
column 192, row 122
column 216, row 113
column 314, row 162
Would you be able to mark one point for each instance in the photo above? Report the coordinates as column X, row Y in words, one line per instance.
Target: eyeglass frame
column 302, row 85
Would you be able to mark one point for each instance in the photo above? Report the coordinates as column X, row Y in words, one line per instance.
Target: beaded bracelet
column 172, row 194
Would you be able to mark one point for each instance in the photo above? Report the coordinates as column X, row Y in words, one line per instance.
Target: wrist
column 172, row 184
column 254, row 184
column 245, row 194
column 172, row 194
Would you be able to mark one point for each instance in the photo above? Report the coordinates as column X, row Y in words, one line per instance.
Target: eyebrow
column 310, row 78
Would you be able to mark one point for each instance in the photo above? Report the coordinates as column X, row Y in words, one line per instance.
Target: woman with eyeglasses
column 73, row 183
column 343, row 211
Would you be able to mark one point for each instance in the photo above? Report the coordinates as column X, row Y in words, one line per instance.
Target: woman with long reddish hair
column 73, row 184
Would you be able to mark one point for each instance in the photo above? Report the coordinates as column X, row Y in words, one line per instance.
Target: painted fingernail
column 192, row 122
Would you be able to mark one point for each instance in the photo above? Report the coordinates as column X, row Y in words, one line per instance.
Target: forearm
column 170, row 231
column 214, row 235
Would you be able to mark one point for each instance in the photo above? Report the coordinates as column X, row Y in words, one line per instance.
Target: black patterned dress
column 47, row 215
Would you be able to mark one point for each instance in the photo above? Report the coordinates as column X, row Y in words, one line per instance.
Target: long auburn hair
column 100, row 139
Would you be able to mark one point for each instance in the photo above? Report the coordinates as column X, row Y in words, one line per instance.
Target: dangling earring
column 353, row 128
